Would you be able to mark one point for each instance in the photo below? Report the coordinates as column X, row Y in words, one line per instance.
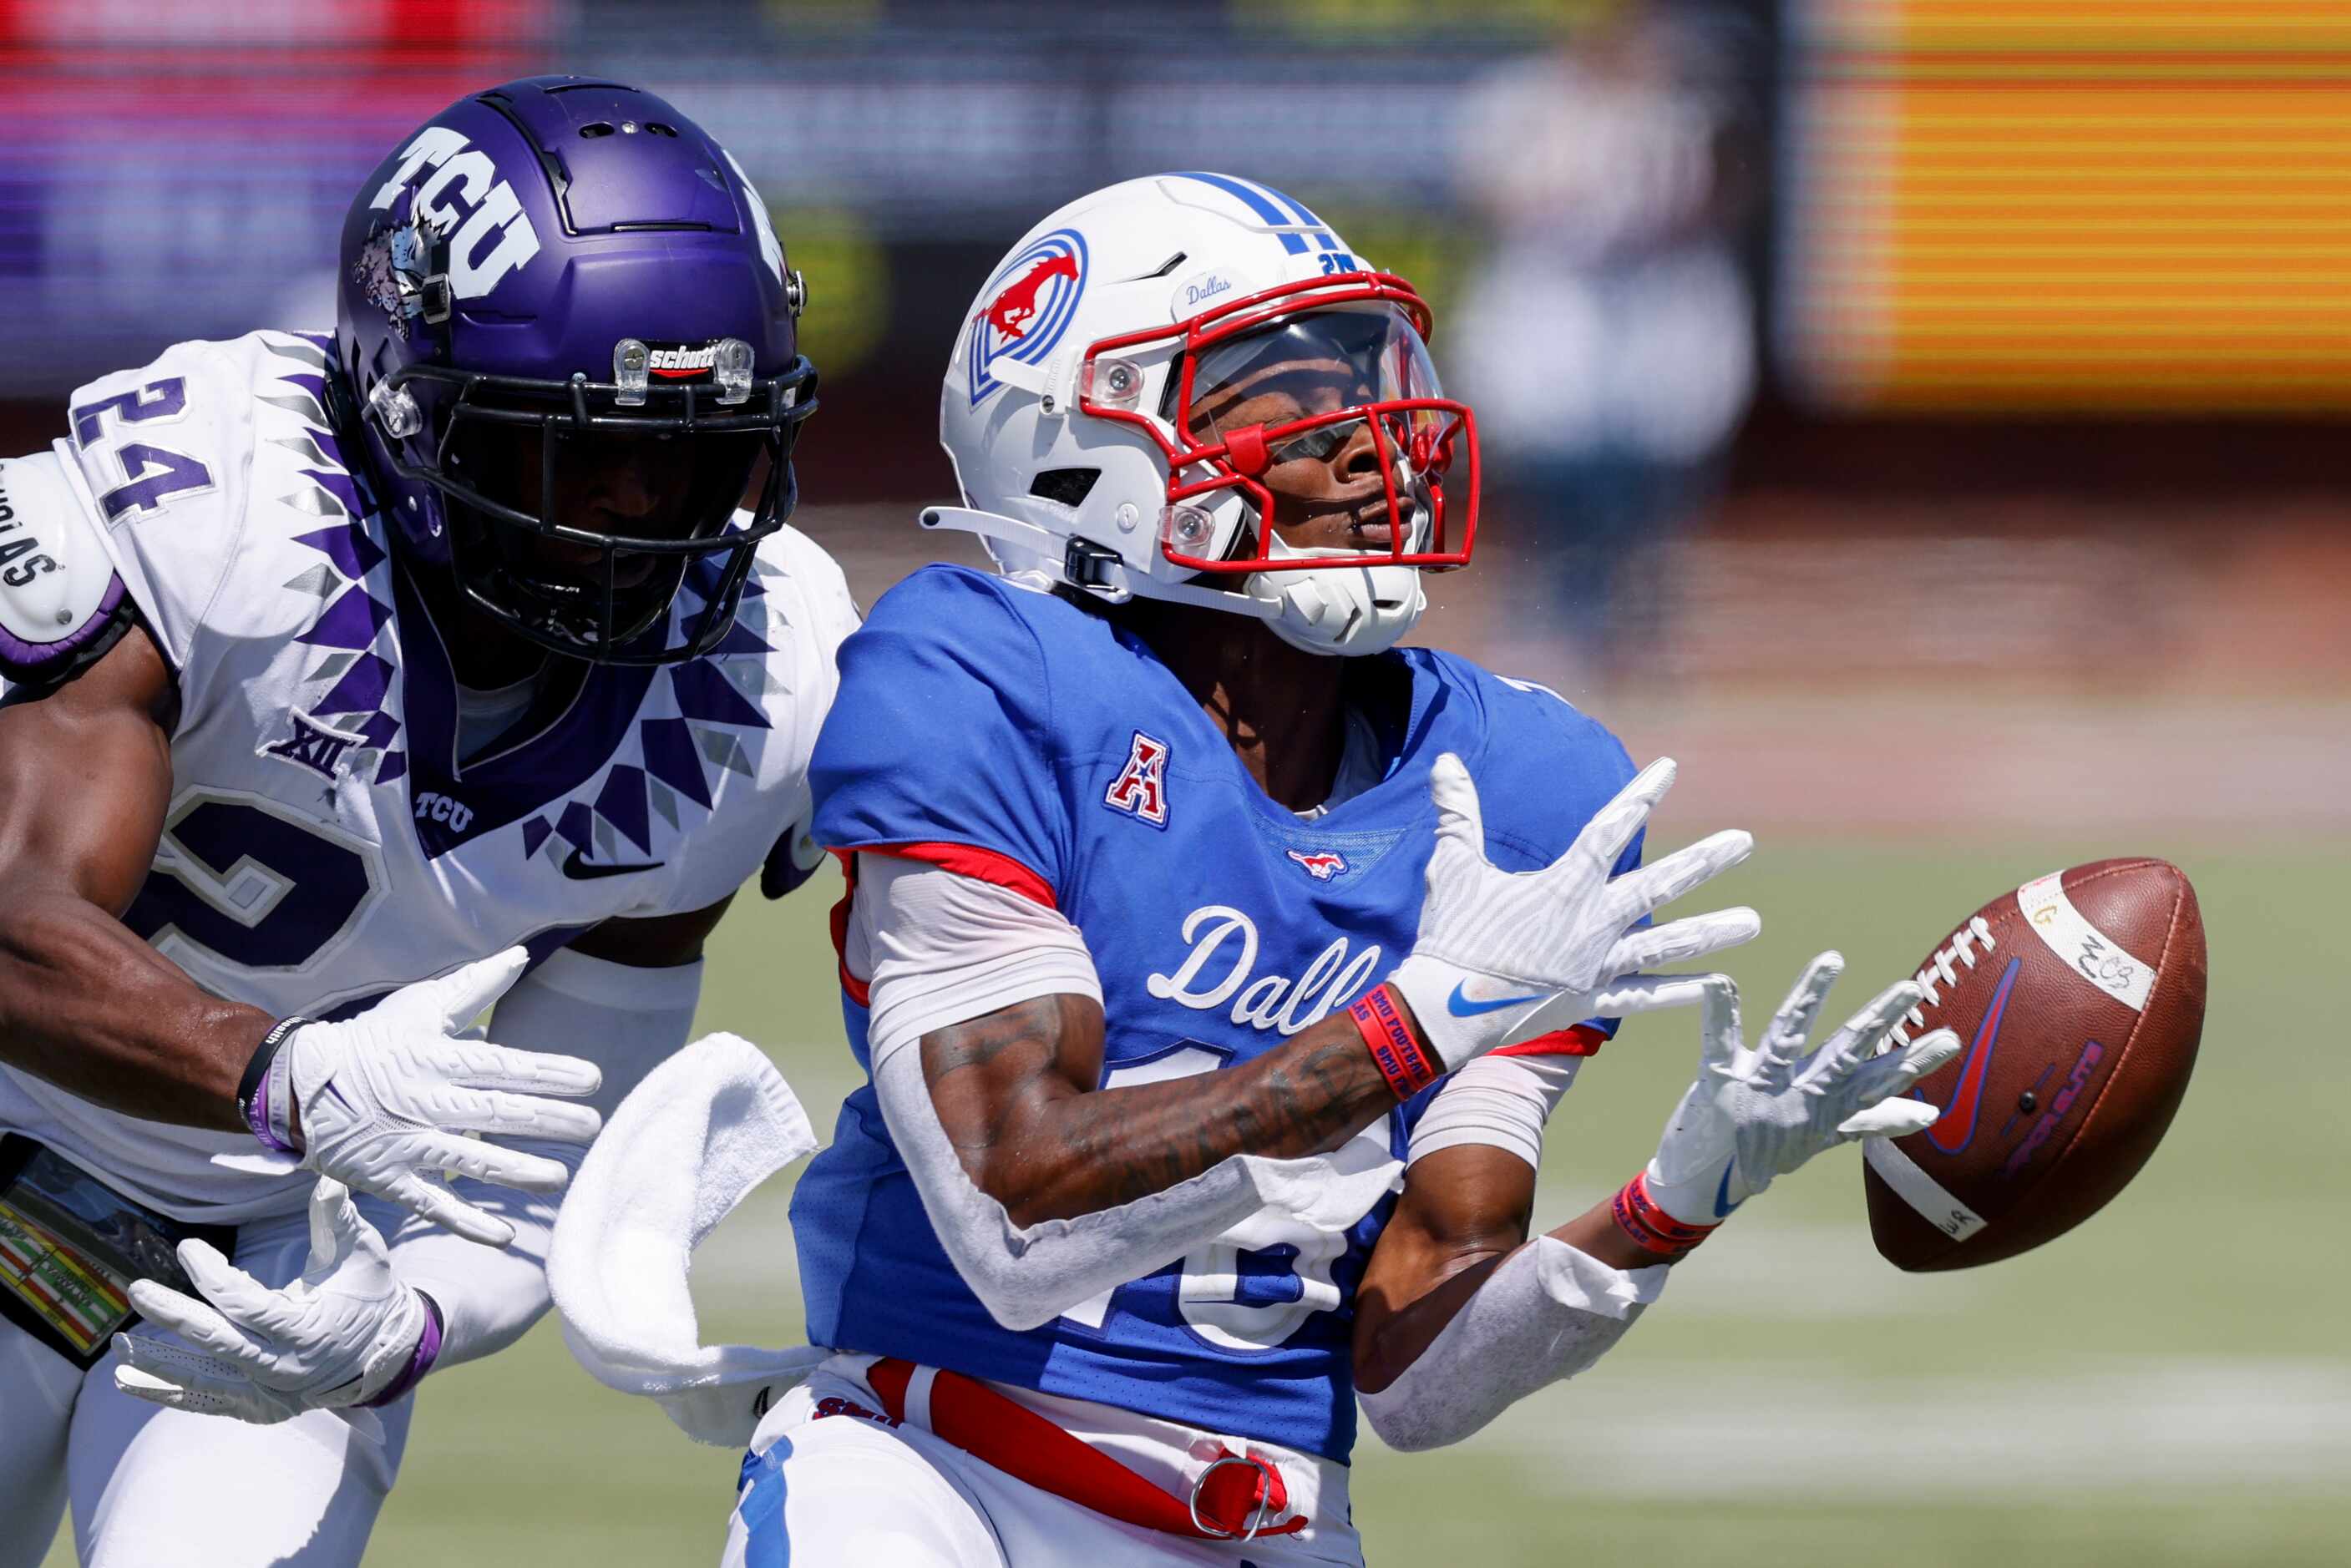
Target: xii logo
column 314, row 747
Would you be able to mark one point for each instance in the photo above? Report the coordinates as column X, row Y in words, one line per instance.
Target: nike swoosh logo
column 1956, row 1128
column 576, row 867
column 1460, row 1006
column 1722, row 1206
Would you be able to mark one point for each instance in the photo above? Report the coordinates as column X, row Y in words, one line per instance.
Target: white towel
column 699, row 1133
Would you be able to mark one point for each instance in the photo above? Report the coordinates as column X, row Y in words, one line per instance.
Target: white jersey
column 324, row 845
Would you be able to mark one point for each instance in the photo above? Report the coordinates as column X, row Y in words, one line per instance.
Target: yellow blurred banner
column 2086, row 205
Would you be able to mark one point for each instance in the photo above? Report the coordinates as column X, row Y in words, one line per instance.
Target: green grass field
column 2168, row 1384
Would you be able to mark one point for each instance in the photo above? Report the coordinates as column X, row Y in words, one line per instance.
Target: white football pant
column 150, row 1487
column 851, row 1491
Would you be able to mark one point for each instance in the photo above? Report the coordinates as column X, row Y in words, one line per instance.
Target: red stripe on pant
column 1027, row 1447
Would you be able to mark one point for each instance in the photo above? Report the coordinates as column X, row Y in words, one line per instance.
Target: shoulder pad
column 167, row 455
column 816, row 580
column 61, row 604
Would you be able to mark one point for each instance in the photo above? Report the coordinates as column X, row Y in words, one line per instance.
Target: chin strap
column 1098, row 571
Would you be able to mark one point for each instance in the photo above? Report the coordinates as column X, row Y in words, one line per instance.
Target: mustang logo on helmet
column 1018, row 303
column 1030, row 305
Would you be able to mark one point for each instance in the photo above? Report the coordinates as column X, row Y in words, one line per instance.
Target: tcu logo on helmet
column 1321, row 864
column 1141, row 788
column 489, row 233
column 1026, row 307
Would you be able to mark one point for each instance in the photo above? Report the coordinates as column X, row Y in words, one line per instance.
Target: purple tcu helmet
column 558, row 274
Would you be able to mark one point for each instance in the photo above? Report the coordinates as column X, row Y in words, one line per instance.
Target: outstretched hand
column 386, row 1100
column 1498, row 948
column 1756, row 1113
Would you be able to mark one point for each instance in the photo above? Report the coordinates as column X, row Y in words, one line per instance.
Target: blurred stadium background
column 1925, row 418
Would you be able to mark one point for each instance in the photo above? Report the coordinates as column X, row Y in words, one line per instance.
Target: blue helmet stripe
column 1256, row 202
column 1322, row 235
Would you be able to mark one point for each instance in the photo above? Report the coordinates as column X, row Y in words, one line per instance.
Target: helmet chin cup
column 1348, row 611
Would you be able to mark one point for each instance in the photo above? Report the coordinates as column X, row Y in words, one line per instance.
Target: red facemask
column 1353, row 349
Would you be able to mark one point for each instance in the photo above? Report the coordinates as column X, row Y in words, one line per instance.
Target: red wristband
column 1402, row 1060
column 1650, row 1228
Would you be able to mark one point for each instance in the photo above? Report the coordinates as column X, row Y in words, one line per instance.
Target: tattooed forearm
column 983, row 1073
column 1015, row 1090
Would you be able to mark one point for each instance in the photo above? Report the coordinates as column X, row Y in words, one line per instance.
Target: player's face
column 662, row 486
column 1327, row 490
column 1325, row 483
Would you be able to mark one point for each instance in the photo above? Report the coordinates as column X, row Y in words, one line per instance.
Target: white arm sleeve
column 936, row 948
column 944, row 951
column 627, row 1021
column 1497, row 1100
column 1547, row 1313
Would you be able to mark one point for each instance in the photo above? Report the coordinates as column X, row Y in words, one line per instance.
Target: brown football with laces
column 2078, row 1001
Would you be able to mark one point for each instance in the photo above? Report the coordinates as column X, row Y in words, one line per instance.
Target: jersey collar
column 550, row 760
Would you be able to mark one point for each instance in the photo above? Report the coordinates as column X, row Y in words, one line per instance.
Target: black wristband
column 253, row 1100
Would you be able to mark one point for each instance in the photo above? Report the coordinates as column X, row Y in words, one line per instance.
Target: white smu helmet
column 1063, row 410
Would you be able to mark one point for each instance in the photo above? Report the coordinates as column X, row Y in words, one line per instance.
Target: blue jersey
column 976, row 713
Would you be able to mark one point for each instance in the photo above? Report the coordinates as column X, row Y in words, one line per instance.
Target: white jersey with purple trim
column 323, row 844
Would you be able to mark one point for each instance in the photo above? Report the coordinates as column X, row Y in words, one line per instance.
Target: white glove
column 387, row 1096
column 1754, row 1115
column 1497, row 948
column 337, row 1337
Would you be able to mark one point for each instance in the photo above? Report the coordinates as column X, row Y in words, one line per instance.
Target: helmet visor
column 575, row 520
column 1335, row 426
column 603, row 498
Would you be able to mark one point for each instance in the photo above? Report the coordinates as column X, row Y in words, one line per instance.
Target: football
column 2078, row 999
